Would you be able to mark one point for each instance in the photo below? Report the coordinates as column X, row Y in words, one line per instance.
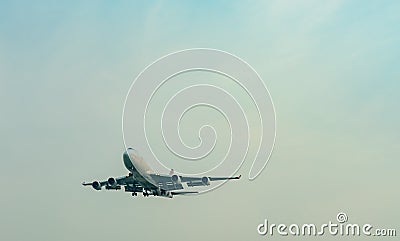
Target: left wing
column 115, row 183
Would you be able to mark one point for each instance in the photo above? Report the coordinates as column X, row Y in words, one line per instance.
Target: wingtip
column 239, row 176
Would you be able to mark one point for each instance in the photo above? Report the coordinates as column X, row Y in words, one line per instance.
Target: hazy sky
column 332, row 68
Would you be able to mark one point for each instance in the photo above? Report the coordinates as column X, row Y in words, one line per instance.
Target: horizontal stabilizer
column 183, row 193
column 195, row 184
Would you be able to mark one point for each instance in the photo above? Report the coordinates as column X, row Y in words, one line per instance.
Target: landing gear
column 134, row 194
column 145, row 194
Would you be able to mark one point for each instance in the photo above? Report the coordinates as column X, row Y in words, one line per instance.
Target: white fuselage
column 138, row 167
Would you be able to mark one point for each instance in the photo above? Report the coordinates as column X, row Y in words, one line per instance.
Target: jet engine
column 176, row 179
column 96, row 185
column 112, row 182
column 205, row 181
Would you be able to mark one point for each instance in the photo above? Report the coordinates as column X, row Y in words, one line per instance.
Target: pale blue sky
column 65, row 68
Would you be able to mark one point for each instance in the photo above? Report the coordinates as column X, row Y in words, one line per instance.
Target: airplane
column 141, row 178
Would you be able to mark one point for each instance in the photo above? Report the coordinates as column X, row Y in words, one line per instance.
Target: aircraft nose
column 132, row 152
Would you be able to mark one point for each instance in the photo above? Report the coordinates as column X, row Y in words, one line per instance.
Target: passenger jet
column 142, row 178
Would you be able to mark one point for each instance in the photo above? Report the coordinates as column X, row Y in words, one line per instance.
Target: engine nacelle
column 176, row 179
column 205, row 180
column 96, row 185
column 112, row 182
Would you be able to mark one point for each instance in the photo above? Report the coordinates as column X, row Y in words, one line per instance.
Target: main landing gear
column 145, row 193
